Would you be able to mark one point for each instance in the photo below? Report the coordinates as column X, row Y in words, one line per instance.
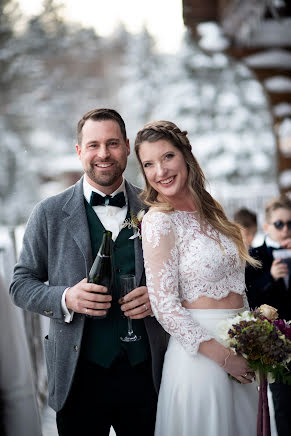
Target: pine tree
column 139, row 92
column 224, row 109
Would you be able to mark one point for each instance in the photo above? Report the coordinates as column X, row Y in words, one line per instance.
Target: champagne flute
column 127, row 284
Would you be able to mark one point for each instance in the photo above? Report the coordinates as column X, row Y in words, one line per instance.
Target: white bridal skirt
column 197, row 397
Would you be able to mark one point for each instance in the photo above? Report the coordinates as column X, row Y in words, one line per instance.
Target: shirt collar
column 87, row 189
column 271, row 243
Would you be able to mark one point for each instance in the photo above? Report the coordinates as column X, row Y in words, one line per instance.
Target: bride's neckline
column 175, row 211
column 185, row 211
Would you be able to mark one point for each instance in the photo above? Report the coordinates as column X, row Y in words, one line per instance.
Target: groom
column 95, row 380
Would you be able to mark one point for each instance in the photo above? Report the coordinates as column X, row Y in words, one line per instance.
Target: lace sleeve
column 161, row 257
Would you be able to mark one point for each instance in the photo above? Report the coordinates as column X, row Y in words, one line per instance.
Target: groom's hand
column 88, row 298
column 136, row 304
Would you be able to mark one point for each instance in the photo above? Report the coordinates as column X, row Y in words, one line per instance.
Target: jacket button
column 48, row 313
column 76, row 348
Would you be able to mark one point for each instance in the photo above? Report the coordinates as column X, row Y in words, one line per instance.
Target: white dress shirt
column 111, row 217
column 271, row 243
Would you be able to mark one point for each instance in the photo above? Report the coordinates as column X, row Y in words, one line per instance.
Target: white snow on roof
column 284, row 130
column 278, row 84
column 282, row 110
column 271, row 33
column 284, row 133
column 285, row 179
column 211, row 37
column 269, row 59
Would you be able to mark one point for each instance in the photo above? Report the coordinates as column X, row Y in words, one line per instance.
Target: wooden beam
column 198, row 11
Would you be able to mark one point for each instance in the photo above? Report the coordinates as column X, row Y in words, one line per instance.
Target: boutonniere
column 134, row 222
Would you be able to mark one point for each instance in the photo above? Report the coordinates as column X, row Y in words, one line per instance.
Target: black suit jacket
column 262, row 288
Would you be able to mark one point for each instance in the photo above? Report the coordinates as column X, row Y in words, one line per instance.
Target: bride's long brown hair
column 209, row 210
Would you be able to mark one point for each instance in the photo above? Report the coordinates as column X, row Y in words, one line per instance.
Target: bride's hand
column 237, row 366
column 234, row 364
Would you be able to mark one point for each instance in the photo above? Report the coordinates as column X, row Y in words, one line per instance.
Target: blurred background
column 220, row 69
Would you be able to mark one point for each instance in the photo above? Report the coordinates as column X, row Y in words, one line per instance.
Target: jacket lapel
column 135, row 206
column 76, row 221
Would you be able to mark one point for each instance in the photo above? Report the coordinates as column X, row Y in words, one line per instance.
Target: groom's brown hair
column 101, row 115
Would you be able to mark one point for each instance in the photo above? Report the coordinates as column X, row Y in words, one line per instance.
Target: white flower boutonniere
column 134, row 223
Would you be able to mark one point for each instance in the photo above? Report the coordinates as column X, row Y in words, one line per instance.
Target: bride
column 195, row 262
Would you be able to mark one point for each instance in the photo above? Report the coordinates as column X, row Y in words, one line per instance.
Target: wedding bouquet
column 263, row 339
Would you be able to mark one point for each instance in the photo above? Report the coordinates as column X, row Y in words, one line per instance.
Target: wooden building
column 259, row 34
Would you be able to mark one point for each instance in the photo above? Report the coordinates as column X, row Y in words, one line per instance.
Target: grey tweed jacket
column 57, row 254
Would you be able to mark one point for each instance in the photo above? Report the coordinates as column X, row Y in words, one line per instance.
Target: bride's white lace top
column 182, row 263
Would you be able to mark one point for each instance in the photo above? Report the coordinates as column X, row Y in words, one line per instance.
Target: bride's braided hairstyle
column 165, row 129
column 209, row 210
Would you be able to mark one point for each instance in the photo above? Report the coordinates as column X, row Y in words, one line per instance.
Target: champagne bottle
column 101, row 272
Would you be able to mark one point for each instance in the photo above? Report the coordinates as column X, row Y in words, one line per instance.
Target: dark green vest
column 101, row 340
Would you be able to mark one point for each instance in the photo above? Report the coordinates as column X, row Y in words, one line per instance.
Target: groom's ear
column 127, row 147
column 78, row 149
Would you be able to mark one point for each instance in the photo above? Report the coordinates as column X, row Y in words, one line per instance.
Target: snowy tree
column 17, row 183
column 58, row 71
column 215, row 98
column 140, row 73
column 139, row 92
column 65, row 70
column 224, row 109
column 76, row 72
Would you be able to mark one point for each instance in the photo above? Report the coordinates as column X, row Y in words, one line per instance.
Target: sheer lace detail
column 182, row 263
column 155, row 229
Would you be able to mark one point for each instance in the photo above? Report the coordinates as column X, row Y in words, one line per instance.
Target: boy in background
column 271, row 285
column 248, row 222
